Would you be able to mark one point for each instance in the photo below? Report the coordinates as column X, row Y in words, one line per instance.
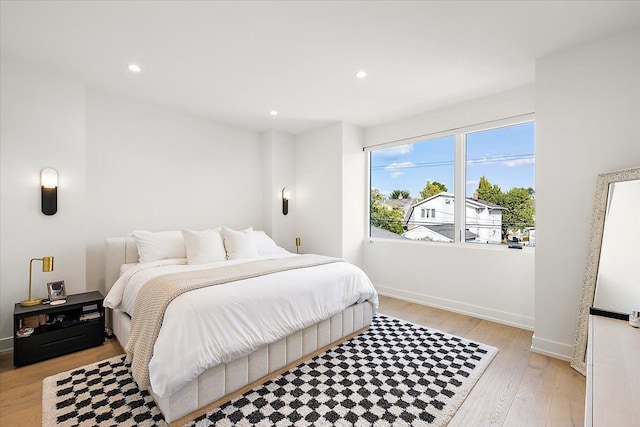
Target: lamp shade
column 47, row 264
column 49, row 178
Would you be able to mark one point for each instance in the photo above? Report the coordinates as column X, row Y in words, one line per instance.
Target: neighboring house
column 436, row 233
column 385, row 234
column 483, row 219
column 404, row 204
column 532, row 236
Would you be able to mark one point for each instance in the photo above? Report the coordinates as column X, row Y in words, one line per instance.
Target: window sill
column 464, row 246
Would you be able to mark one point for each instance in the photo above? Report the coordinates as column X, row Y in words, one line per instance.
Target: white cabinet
column 613, row 373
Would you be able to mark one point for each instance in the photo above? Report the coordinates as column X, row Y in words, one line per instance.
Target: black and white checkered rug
column 395, row 374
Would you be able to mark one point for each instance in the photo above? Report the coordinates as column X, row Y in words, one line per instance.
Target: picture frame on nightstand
column 57, row 292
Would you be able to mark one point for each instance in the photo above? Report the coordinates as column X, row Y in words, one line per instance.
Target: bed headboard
column 117, row 251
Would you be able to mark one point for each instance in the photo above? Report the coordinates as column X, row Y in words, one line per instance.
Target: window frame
column 460, row 166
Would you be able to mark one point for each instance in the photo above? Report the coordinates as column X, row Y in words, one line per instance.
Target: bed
column 247, row 357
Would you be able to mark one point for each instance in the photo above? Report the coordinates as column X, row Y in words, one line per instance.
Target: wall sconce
column 47, row 266
column 285, row 201
column 49, row 189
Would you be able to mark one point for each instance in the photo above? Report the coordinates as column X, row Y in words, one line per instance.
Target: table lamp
column 47, row 266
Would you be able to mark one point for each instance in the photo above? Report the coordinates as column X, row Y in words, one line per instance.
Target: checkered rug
column 395, row 374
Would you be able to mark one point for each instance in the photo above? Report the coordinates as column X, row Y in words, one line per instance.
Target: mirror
column 618, row 283
column 610, row 282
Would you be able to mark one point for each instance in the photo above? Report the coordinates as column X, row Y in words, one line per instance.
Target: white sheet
column 218, row 324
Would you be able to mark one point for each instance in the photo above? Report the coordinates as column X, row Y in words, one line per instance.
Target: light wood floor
column 519, row 388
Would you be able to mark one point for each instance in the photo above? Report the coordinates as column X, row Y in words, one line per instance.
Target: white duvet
column 218, row 324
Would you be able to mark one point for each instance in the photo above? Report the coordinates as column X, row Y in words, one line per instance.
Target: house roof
column 384, row 234
column 448, row 231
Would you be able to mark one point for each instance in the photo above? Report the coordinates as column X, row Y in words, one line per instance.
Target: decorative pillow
column 203, row 247
column 239, row 244
column 266, row 245
column 157, row 246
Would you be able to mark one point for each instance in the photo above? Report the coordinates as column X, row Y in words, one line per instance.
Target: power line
column 451, row 162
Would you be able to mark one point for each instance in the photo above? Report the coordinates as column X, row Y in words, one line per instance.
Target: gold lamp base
column 30, row 302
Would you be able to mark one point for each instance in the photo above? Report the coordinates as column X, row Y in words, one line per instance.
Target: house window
column 491, row 166
column 500, row 164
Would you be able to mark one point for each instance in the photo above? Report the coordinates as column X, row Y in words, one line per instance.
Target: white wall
column 354, row 194
column 279, row 171
column 155, row 169
column 587, row 112
column 318, row 195
column 42, row 125
column 123, row 165
column 493, row 283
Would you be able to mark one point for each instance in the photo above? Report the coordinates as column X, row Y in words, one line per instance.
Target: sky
column 504, row 155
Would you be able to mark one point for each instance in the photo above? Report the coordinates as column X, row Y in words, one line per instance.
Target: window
column 500, row 177
column 424, row 170
column 494, row 179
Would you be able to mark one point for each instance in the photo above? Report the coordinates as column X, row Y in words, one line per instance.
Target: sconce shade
column 285, row 201
column 49, row 191
column 49, row 178
column 47, row 266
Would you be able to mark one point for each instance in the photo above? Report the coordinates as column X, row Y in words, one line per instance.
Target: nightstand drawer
column 56, row 343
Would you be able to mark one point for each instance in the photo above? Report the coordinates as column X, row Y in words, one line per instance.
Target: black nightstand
column 58, row 329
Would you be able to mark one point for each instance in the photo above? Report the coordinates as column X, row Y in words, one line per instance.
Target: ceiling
column 234, row 62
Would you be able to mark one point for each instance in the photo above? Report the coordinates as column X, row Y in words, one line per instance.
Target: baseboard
column 505, row 318
column 6, row 345
column 551, row 348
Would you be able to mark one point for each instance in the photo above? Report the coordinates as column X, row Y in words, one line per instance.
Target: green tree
column 488, row 192
column 385, row 216
column 399, row 194
column 432, row 188
column 520, row 210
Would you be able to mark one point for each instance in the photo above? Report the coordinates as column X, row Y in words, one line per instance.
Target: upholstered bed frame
column 222, row 380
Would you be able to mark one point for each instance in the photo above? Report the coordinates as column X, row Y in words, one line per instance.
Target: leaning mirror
column 610, row 282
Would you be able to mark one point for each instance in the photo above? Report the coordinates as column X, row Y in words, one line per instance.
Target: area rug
column 395, row 374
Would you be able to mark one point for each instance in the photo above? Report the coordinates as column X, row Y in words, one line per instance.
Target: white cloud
column 520, row 162
column 396, row 168
column 473, row 182
column 395, row 151
column 400, row 165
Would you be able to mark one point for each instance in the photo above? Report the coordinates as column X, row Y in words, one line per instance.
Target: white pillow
column 266, row 245
column 239, row 244
column 161, row 245
column 203, row 247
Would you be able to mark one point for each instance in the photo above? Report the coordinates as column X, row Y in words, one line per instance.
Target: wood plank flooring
column 519, row 388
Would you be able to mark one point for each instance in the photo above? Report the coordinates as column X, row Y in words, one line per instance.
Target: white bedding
column 219, row 324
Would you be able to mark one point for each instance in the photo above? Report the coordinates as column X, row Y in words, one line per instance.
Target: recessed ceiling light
column 361, row 74
column 134, row 68
column 273, row 113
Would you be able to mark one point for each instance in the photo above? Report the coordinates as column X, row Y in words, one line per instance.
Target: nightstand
column 58, row 329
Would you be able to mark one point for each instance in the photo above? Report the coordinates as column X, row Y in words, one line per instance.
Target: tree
column 488, row 192
column 432, row 188
column 399, row 194
column 520, row 210
column 384, row 216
